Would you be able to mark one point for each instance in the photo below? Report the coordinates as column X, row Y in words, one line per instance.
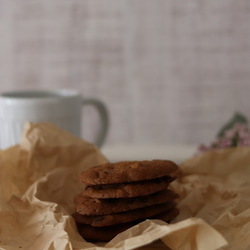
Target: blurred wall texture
column 168, row 71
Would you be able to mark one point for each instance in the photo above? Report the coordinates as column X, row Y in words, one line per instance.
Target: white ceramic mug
column 61, row 107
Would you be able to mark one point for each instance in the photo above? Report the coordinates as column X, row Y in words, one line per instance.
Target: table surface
column 176, row 153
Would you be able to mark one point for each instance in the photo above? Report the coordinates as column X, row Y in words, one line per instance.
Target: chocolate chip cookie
column 91, row 206
column 127, row 171
column 124, row 217
column 127, row 190
column 95, row 234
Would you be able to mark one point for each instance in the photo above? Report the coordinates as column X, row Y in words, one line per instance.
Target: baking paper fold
column 39, row 181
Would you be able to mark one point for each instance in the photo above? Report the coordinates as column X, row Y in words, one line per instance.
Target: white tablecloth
column 176, row 153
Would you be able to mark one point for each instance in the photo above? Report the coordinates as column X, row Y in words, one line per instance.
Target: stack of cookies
column 120, row 195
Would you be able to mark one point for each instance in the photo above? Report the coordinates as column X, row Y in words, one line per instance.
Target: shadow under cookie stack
column 120, row 195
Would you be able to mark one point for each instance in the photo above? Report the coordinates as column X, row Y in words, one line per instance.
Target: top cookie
column 127, row 171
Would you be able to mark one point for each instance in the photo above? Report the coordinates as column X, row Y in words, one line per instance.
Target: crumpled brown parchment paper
column 39, row 181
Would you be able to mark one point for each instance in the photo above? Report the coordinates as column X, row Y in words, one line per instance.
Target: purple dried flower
column 237, row 136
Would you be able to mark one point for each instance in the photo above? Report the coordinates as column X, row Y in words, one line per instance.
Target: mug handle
column 104, row 115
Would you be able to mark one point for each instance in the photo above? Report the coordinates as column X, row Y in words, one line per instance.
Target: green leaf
column 237, row 118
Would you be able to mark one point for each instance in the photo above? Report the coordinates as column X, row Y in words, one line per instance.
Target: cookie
column 104, row 234
column 91, row 206
column 127, row 190
column 120, row 218
column 127, row 171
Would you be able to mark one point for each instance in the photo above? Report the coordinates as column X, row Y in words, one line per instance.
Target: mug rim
column 31, row 94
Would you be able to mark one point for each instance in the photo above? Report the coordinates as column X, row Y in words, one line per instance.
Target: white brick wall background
column 168, row 71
